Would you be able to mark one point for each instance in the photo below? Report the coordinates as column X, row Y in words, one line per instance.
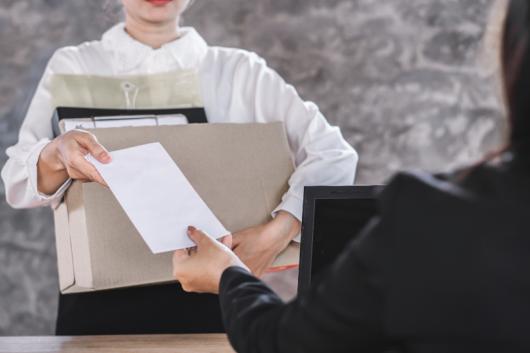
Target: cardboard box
column 240, row 170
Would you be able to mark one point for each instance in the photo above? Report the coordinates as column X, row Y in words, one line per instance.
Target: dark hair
column 515, row 62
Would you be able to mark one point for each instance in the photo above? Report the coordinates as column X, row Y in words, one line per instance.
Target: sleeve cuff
column 232, row 275
column 292, row 204
column 31, row 165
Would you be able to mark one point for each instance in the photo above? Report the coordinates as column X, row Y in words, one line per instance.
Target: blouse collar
column 188, row 50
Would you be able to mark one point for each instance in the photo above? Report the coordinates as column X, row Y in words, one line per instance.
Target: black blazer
column 444, row 268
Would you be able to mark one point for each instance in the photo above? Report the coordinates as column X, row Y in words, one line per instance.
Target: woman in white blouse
column 235, row 86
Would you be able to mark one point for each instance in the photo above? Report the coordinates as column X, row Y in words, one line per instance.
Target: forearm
column 249, row 310
column 20, row 177
column 286, row 226
column 341, row 312
column 257, row 321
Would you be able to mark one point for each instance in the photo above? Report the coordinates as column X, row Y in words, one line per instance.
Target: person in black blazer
column 445, row 267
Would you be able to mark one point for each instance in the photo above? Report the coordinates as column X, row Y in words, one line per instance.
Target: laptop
column 332, row 217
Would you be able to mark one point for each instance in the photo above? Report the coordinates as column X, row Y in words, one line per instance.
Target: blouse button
column 127, row 86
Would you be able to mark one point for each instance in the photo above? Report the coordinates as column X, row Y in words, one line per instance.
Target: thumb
column 198, row 237
column 90, row 142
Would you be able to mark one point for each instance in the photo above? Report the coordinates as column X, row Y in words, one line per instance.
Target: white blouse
column 236, row 87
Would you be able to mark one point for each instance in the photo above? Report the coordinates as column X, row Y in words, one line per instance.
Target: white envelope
column 157, row 197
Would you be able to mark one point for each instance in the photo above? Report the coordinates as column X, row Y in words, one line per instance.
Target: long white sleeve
column 19, row 174
column 321, row 155
column 237, row 87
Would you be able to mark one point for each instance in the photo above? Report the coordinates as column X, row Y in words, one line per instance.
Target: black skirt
column 156, row 309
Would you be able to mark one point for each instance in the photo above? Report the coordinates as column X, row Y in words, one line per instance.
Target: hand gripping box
column 240, row 170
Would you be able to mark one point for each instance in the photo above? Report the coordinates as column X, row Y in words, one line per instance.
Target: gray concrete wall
column 402, row 78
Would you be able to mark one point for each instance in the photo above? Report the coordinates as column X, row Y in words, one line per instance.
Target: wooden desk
column 211, row 343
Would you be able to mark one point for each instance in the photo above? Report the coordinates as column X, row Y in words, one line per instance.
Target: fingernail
column 191, row 229
column 105, row 157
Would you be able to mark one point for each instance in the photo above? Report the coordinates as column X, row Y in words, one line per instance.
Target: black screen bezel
column 311, row 195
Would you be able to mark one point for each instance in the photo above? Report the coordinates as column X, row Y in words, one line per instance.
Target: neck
column 153, row 35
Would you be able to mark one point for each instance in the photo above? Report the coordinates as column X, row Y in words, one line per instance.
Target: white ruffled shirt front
column 236, row 87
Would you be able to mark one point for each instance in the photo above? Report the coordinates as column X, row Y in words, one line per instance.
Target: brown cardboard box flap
column 240, row 170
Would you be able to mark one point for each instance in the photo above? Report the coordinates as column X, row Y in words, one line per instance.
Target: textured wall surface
column 402, row 78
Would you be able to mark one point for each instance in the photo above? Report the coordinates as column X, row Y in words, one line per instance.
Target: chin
column 162, row 10
column 158, row 19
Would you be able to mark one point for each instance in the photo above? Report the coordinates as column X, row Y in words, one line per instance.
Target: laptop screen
column 333, row 216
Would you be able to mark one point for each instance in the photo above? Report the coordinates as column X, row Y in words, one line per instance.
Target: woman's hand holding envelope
column 64, row 158
column 200, row 269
